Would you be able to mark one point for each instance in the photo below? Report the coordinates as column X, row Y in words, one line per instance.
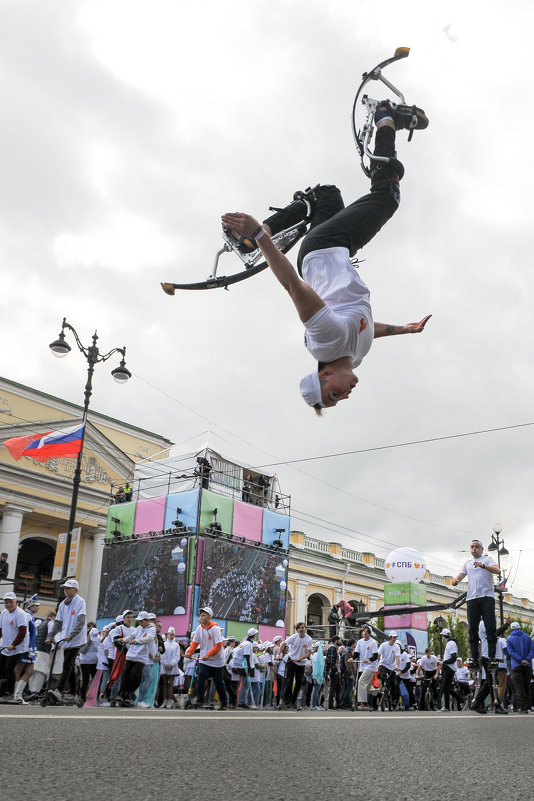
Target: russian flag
column 50, row 445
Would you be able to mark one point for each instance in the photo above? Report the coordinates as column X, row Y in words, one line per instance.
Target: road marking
column 264, row 717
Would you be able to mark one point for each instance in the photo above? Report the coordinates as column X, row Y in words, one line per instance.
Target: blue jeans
column 146, row 680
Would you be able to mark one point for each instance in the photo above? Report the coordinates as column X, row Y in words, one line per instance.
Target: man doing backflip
column 331, row 299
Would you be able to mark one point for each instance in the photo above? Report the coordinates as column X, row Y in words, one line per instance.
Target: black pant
column 477, row 609
column 88, row 672
column 334, row 225
column 521, row 677
column 7, row 673
column 335, row 690
column 295, row 672
column 131, row 678
column 408, row 683
column 69, row 657
column 215, row 673
column 447, row 688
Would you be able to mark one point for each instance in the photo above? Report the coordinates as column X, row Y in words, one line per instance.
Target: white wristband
column 261, row 233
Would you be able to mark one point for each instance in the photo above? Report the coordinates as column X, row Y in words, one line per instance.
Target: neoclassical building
column 35, row 497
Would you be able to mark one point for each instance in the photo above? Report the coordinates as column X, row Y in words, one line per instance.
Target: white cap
column 171, row 630
column 10, row 596
column 142, row 616
column 515, row 624
column 310, row 389
column 276, row 639
column 207, row 609
column 252, row 632
column 445, row 632
column 71, row 583
column 392, row 634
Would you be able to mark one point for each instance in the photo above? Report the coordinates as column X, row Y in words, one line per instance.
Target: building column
column 10, row 530
column 95, row 572
column 300, row 613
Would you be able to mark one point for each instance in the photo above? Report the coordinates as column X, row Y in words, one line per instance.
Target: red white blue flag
column 50, row 445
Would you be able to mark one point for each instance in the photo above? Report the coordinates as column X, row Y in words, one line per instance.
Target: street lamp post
column 497, row 544
column 60, row 347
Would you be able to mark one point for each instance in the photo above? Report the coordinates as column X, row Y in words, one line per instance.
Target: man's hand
column 242, row 223
column 416, row 328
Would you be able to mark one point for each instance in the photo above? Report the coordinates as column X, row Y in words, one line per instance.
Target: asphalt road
column 83, row 755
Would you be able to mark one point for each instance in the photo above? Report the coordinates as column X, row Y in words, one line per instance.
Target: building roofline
column 79, row 407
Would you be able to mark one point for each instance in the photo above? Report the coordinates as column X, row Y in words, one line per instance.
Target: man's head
column 445, row 633
column 127, row 617
column 515, row 625
column 477, row 549
column 392, row 636
column 251, row 633
column 331, row 383
column 70, row 588
column 142, row 619
column 3, row 557
column 205, row 614
column 300, row 628
column 10, row 601
column 171, row 634
column 366, row 632
column 335, row 640
column 428, row 651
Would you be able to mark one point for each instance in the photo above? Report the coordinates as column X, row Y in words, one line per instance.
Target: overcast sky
column 127, row 129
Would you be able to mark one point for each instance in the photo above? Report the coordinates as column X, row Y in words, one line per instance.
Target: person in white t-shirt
column 14, row 639
column 208, row 636
column 332, row 301
column 427, row 669
column 480, row 570
column 389, row 663
column 367, row 654
column 71, row 622
column 450, row 655
column 300, row 645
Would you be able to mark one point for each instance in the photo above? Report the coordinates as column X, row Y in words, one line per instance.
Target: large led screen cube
column 243, row 583
column 147, row 574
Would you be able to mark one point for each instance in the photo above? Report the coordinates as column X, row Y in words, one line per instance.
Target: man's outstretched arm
column 386, row 330
column 307, row 301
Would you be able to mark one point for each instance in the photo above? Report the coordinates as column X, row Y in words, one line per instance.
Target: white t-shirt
column 298, row 645
column 479, row 580
column 344, row 327
column 462, row 673
column 68, row 615
column 387, row 655
column 450, row 649
column 429, row 663
column 141, row 638
column 405, row 665
column 9, row 623
column 365, row 649
column 237, row 661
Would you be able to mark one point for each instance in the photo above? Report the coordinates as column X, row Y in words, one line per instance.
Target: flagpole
column 121, row 374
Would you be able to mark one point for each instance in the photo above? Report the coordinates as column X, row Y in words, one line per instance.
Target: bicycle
column 387, row 702
column 427, row 694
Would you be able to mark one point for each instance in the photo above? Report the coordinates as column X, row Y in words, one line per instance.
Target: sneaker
column 499, row 710
column 142, row 705
column 55, row 694
column 252, row 706
column 105, row 703
column 477, row 708
column 444, row 709
column 223, row 709
column 405, row 117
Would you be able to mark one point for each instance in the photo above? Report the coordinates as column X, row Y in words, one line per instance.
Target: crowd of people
column 66, row 660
